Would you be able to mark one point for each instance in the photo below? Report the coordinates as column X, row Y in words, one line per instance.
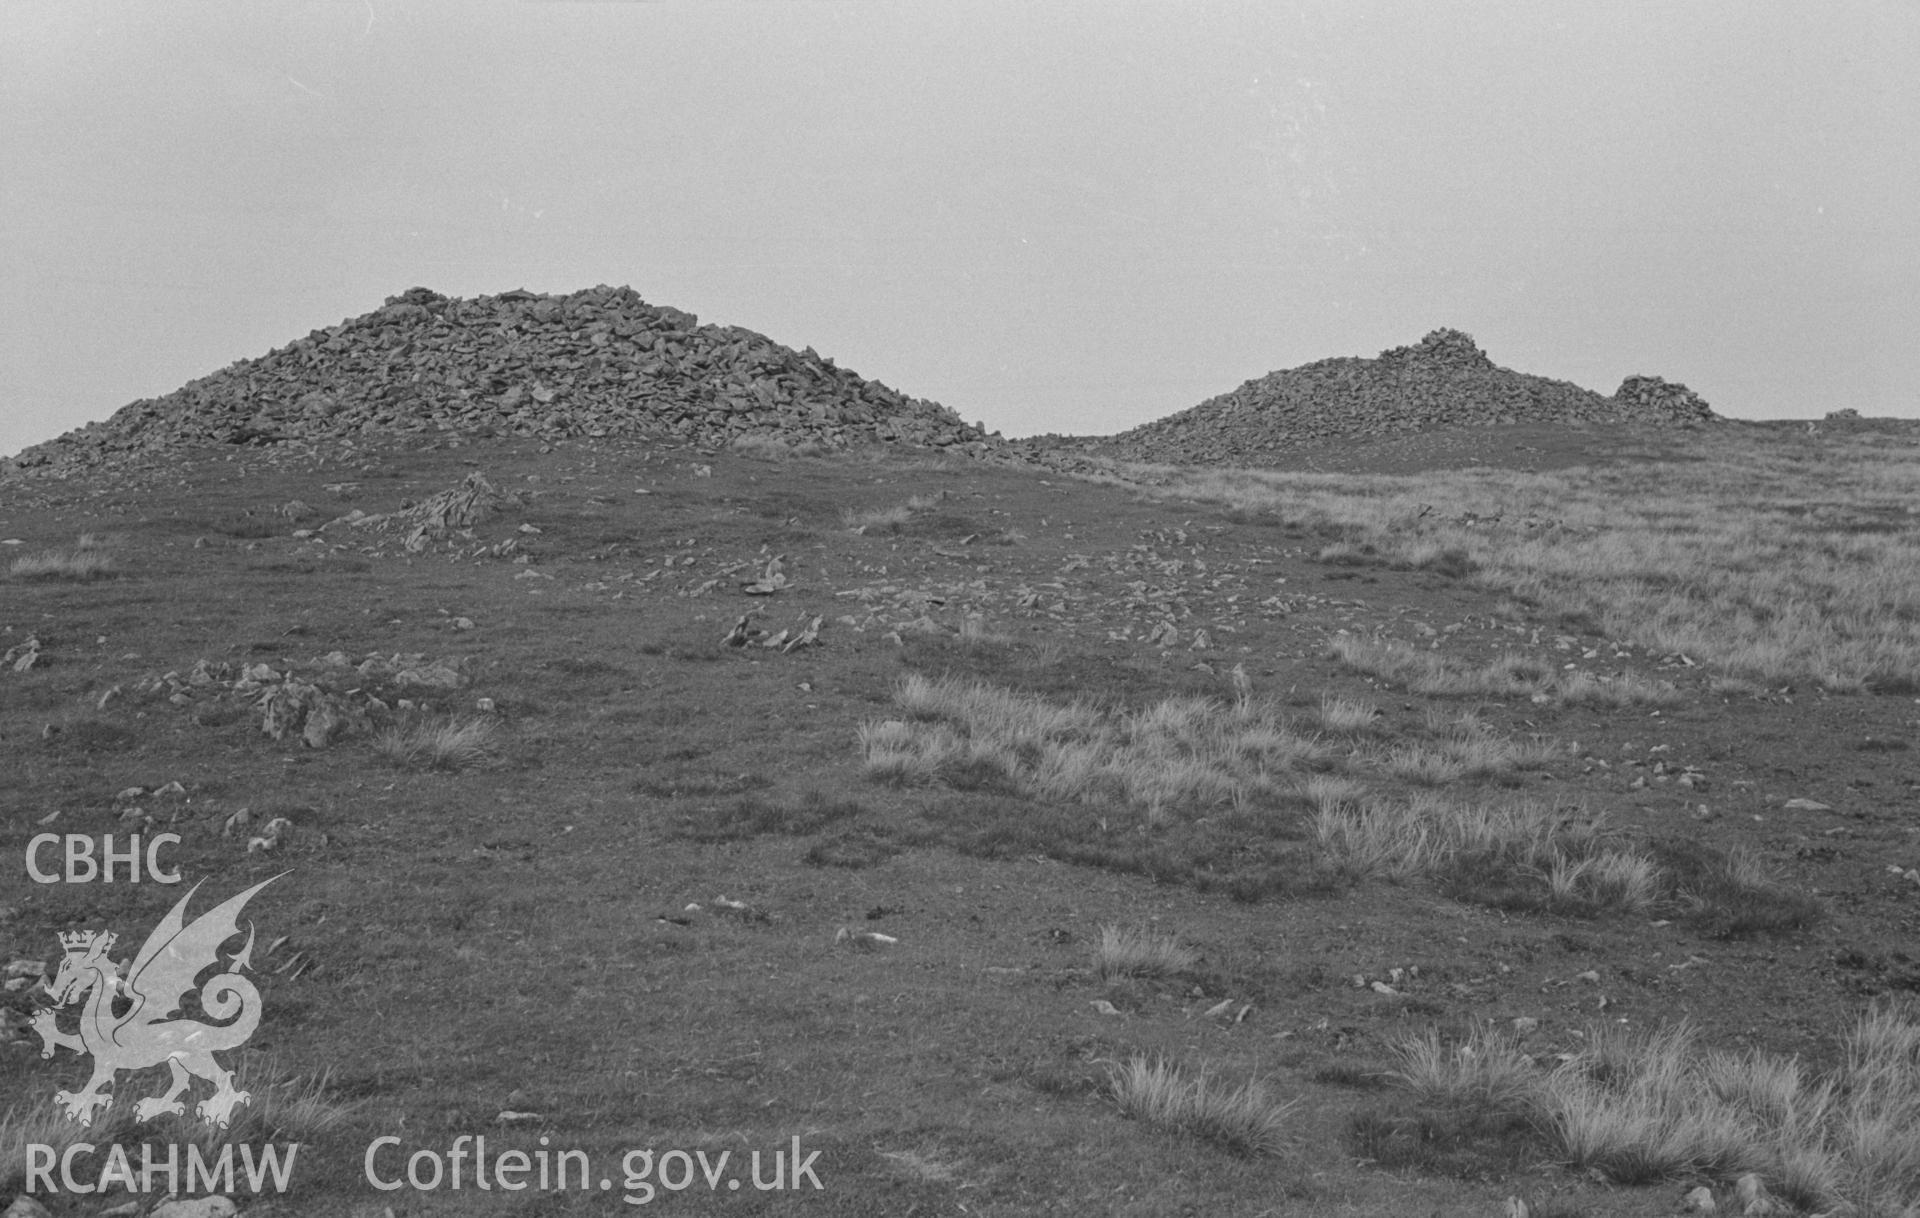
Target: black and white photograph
column 1226, row 608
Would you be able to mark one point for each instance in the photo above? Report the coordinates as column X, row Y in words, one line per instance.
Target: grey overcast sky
column 1052, row 216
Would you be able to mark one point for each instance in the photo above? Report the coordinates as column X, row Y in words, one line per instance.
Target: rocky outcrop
column 1444, row 380
column 600, row 362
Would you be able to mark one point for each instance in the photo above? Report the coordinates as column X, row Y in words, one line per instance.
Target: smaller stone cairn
column 1444, row 380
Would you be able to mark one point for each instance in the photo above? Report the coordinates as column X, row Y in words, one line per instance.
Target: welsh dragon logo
column 146, row 1031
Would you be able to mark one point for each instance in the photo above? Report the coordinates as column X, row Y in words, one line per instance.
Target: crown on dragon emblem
column 81, row 940
column 151, row 1030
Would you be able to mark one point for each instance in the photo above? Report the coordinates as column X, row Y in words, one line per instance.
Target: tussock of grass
column 1514, row 855
column 1648, row 1105
column 1486, row 1068
column 1608, row 880
column 1728, row 893
column 35, row 1121
column 1176, row 754
column 1423, row 835
column 1510, row 676
column 1349, row 554
column 1329, row 795
column 81, row 564
column 1475, row 1108
column 436, row 744
column 1423, row 765
column 1623, row 689
column 1347, row 715
column 278, row 1108
column 1242, row 1118
column 1140, row 953
column 1425, row 672
column 1578, row 875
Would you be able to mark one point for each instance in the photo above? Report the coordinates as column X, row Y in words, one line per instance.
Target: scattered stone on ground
column 22, row 656
column 327, row 699
column 449, row 512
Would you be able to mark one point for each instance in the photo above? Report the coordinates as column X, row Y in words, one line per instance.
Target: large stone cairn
column 1444, row 380
column 600, row 362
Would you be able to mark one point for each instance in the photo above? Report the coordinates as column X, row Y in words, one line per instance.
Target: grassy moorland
column 1770, row 556
column 1015, row 842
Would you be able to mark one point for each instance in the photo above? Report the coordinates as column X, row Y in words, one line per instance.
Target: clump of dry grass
column 1179, row 753
column 1347, row 715
column 84, row 563
column 279, row 1108
column 892, row 753
column 1468, row 749
column 1609, row 879
column 1374, row 836
column 1425, row 672
column 38, row 1122
column 1635, row 1105
column 1140, row 953
column 1243, row 1118
column 1619, row 690
column 1421, row 764
column 1486, row 1068
column 1728, row 893
column 1510, row 676
column 436, row 744
column 1516, row 855
column 1641, row 1105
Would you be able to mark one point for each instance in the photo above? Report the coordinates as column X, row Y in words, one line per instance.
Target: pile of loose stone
column 605, row 363
column 600, row 362
column 1444, row 380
